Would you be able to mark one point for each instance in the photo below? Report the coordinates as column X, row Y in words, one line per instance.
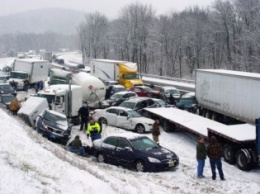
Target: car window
column 150, row 102
column 130, row 95
column 112, row 111
column 141, row 105
column 137, row 90
column 123, row 113
column 143, row 143
column 121, row 143
column 110, row 141
column 130, row 105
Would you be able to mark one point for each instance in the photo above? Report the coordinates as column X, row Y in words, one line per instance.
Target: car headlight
column 44, row 125
column 153, row 160
column 150, row 124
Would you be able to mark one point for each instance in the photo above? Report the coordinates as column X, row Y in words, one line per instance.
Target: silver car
column 124, row 118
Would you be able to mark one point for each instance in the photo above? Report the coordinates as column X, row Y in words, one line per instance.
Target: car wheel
column 140, row 128
column 100, row 158
column 139, row 166
column 103, row 120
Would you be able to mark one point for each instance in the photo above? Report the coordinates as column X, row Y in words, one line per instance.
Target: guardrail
column 169, row 78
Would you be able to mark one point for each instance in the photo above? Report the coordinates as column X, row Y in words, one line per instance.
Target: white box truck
column 61, row 100
column 31, row 108
column 225, row 93
column 34, row 70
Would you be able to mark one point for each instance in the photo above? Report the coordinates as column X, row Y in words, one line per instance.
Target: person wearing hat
column 76, row 147
column 93, row 130
column 201, row 156
column 84, row 116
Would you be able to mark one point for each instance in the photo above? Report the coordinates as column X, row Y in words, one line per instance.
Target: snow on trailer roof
column 230, row 72
column 32, row 60
column 200, row 125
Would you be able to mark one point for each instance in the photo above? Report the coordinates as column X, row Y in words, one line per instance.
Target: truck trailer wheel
column 168, row 126
column 229, row 154
column 244, row 160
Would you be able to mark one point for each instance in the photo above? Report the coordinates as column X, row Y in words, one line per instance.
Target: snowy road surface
column 30, row 163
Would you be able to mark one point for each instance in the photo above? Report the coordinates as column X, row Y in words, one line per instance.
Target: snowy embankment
column 32, row 164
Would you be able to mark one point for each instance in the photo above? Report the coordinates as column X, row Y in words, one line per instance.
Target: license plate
column 171, row 164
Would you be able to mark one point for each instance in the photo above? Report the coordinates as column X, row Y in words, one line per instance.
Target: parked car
column 138, row 104
column 166, row 91
column 123, row 118
column 134, row 151
column 6, row 88
column 3, row 78
column 117, row 88
column 161, row 103
column 145, row 91
column 188, row 102
column 119, row 97
column 6, row 99
column 54, row 125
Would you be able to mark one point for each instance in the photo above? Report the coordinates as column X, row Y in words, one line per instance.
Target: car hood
column 143, row 120
column 57, row 125
column 160, row 153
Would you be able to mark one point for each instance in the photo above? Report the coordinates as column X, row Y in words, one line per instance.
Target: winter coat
column 172, row 100
column 156, row 129
column 214, row 149
column 14, row 105
column 84, row 113
column 75, row 144
column 201, row 151
column 93, row 129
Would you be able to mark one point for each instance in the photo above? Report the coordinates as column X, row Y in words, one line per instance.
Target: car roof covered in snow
column 127, row 135
column 118, row 86
column 124, row 92
column 138, row 99
column 119, row 108
column 56, row 113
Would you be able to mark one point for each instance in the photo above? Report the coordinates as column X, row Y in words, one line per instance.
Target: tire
column 208, row 115
column 168, row 127
column 244, row 160
column 100, row 158
column 103, row 120
column 139, row 166
column 229, row 154
column 139, row 128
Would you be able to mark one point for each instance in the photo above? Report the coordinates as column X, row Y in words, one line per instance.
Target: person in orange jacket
column 14, row 106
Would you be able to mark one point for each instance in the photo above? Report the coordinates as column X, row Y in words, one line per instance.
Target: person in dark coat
column 201, row 154
column 26, row 85
column 76, row 147
column 215, row 152
column 84, row 116
column 172, row 100
column 108, row 92
column 156, row 130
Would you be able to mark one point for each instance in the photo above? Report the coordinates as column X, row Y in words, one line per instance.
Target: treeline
column 12, row 43
column 226, row 35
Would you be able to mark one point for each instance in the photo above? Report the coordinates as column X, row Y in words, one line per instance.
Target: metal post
column 70, row 99
column 258, row 140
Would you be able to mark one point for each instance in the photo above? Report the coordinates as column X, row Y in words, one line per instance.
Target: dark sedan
column 6, row 88
column 145, row 91
column 53, row 125
column 6, row 99
column 135, row 151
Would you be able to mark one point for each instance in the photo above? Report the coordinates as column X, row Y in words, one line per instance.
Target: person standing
column 84, row 116
column 93, row 130
column 76, row 147
column 201, row 156
column 156, row 130
column 215, row 152
column 26, row 85
column 172, row 100
column 14, row 106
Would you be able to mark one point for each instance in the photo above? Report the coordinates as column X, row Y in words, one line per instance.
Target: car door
column 123, row 119
column 140, row 105
column 138, row 91
column 109, row 148
column 111, row 116
column 124, row 152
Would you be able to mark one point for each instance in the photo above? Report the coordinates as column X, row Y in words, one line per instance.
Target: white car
column 124, row 118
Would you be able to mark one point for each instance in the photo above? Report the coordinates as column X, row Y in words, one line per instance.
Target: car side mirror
column 128, row 149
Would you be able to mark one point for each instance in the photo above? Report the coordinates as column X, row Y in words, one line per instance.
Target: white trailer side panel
column 105, row 69
column 231, row 93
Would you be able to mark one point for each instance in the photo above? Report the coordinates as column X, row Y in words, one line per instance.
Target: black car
column 53, row 125
column 134, row 151
column 6, row 99
column 188, row 102
column 6, row 88
column 119, row 97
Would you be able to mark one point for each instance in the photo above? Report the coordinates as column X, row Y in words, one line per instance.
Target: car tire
column 100, row 158
column 139, row 128
column 103, row 120
column 139, row 166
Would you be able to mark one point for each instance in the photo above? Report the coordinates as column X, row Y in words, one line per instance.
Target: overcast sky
column 108, row 7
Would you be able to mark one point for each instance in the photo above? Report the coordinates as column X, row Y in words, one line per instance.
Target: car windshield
column 172, row 91
column 130, row 76
column 187, row 101
column 19, row 75
column 50, row 98
column 161, row 102
column 116, row 97
column 119, row 89
column 58, row 81
column 133, row 114
column 130, row 105
column 143, row 143
column 55, row 118
column 5, row 87
column 7, row 99
column 147, row 89
column 2, row 77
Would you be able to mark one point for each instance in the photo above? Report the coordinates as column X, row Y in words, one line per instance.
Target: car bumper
column 154, row 167
column 54, row 136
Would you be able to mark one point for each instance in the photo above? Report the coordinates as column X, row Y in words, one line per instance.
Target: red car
column 145, row 91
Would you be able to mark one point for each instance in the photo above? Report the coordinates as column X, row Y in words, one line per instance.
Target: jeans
column 95, row 136
column 216, row 162
column 201, row 164
column 80, row 150
column 83, row 124
column 25, row 87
